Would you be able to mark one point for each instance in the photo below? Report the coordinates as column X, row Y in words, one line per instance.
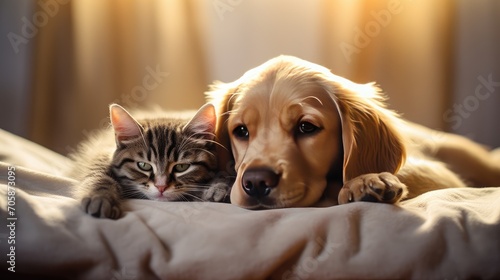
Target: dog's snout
column 258, row 182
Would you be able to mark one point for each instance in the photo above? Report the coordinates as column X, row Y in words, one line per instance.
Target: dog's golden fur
column 300, row 136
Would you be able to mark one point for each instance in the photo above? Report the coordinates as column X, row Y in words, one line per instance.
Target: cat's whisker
column 133, row 193
column 185, row 195
column 195, row 137
column 198, row 134
column 195, row 186
column 217, row 144
column 203, row 150
column 180, row 197
column 198, row 187
column 184, row 143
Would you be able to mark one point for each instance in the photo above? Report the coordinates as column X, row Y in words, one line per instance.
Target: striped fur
column 161, row 159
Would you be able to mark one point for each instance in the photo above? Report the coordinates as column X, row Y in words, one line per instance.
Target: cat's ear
column 202, row 125
column 125, row 126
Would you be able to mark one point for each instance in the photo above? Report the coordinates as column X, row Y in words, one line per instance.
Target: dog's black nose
column 258, row 182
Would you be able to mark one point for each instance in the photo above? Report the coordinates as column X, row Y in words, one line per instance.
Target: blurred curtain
column 438, row 61
column 405, row 46
column 96, row 52
column 474, row 111
column 428, row 56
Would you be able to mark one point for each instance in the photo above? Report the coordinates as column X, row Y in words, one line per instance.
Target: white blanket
column 446, row 234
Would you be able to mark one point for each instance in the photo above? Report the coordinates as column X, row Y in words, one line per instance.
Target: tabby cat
column 161, row 159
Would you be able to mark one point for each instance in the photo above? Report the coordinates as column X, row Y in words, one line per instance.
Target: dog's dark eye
column 307, row 128
column 241, row 132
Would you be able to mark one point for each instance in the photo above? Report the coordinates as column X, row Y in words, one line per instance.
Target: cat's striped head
column 161, row 158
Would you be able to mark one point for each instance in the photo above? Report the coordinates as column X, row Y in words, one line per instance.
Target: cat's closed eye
column 144, row 166
column 181, row 167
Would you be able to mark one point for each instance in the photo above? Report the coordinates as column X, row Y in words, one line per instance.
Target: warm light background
column 429, row 56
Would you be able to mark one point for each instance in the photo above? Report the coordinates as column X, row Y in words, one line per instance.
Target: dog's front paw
column 374, row 187
column 101, row 206
column 217, row 192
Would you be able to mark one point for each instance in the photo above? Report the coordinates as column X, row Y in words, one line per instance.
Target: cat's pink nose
column 161, row 188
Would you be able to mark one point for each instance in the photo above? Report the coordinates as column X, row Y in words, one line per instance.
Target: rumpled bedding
column 445, row 234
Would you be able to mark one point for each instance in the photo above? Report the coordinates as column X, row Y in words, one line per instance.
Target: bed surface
column 452, row 234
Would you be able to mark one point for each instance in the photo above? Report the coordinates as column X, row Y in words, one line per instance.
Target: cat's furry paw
column 217, row 192
column 101, row 207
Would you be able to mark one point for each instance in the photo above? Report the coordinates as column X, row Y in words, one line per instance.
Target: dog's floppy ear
column 371, row 141
column 220, row 95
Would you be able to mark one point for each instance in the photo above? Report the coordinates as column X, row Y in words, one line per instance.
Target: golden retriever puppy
column 302, row 136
